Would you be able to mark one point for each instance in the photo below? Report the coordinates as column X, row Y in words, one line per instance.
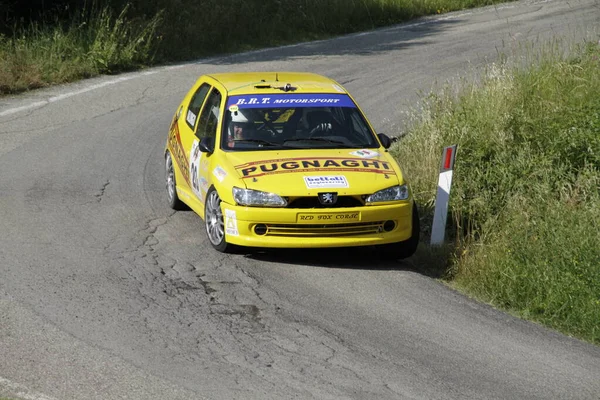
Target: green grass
column 94, row 42
column 525, row 202
column 128, row 35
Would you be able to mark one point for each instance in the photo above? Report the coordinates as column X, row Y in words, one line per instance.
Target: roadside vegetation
column 525, row 202
column 45, row 43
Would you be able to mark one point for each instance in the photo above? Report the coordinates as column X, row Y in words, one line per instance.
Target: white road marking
column 22, row 392
column 23, row 108
column 84, row 90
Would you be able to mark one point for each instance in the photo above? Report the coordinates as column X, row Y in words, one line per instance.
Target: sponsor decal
column 191, row 118
column 219, row 173
column 203, row 184
column 231, row 223
column 182, row 194
column 310, row 218
column 365, row 153
column 319, row 182
column 290, row 100
column 173, row 122
column 234, row 108
column 177, row 152
column 204, row 164
column 278, row 166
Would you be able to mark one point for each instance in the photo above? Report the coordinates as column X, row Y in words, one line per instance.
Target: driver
column 240, row 127
column 239, row 130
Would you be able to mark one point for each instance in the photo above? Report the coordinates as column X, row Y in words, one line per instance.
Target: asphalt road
column 107, row 294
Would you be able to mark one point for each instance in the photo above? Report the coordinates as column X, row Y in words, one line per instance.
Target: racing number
column 195, row 157
column 194, row 171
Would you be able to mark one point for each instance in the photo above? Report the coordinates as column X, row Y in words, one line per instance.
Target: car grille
column 313, row 202
column 329, row 230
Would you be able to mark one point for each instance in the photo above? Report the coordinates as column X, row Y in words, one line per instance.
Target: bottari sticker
column 318, row 182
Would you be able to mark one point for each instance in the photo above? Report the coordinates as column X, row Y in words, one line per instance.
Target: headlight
column 249, row 197
column 390, row 194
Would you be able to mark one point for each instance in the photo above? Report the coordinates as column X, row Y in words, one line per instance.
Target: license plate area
column 328, row 218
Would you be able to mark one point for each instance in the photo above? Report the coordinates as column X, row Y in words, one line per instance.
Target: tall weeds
column 525, row 200
column 95, row 41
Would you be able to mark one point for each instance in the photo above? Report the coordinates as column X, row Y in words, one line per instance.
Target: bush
column 525, row 200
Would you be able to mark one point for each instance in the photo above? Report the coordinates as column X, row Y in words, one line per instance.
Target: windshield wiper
column 259, row 141
column 320, row 139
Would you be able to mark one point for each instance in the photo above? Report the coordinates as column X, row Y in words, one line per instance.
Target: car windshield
column 294, row 121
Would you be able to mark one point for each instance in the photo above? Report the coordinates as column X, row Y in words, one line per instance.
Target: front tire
column 214, row 222
column 406, row 248
column 172, row 197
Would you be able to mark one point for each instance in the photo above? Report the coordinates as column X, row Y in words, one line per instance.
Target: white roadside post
column 443, row 196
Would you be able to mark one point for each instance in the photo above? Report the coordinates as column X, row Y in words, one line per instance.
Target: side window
column 209, row 118
column 195, row 105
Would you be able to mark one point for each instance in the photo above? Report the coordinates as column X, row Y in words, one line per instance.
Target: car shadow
column 427, row 261
column 348, row 258
column 374, row 42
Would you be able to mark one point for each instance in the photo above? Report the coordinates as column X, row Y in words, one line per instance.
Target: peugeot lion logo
column 327, row 198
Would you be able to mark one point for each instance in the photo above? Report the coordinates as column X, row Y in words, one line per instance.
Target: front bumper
column 338, row 227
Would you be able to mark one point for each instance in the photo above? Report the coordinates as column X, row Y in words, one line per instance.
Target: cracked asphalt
column 105, row 293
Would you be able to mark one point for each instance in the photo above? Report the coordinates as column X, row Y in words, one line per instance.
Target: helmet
column 243, row 119
column 239, row 116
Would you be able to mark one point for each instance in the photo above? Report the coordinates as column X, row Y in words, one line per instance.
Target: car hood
column 310, row 171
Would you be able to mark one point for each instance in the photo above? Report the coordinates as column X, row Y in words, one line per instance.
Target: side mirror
column 385, row 140
column 207, row 145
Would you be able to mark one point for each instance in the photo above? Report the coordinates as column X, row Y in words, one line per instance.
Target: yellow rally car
column 286, row 160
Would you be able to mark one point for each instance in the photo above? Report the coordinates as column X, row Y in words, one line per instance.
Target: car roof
column 237, row 83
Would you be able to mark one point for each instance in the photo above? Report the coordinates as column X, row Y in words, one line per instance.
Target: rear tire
column 406, row 248
column 172, row 197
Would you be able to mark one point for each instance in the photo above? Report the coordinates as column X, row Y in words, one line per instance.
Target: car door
column 207, row 125
column 184, row 138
